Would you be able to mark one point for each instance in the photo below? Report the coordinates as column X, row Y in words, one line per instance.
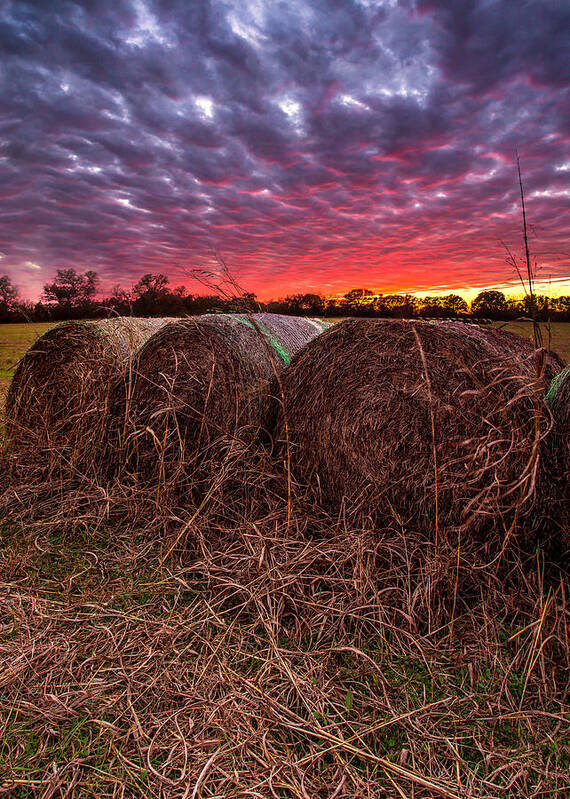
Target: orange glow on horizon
column 338, row 280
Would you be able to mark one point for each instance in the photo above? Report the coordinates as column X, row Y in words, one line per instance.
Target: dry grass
column 253, row 652
column 254, row 646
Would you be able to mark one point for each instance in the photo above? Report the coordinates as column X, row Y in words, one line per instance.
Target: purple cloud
column 314, row 145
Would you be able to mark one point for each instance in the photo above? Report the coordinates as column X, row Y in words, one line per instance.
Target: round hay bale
column 198, row 385
column 416, row 425
column 58, row 400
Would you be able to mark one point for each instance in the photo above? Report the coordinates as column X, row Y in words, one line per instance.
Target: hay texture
column 417, row 425
column 199, row 385
column 58, row 401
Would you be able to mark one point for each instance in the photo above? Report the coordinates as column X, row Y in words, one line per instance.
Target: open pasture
column 559, row 332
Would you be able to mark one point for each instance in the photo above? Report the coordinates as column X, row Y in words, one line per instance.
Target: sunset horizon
column 512, row 288
column 316, row 148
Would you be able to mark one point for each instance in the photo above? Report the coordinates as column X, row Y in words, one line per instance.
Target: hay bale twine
column 558, row 452
column 416, row 425
column 199, row 384
column 58, row 400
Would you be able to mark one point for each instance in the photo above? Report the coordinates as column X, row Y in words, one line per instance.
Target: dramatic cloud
column 315, row 145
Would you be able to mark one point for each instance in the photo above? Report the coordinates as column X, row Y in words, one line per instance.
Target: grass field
column 14, row 341
column 233, row 654
column 560, row 335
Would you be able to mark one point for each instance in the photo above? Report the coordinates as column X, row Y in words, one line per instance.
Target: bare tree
column 71, row 289
column 8, row 295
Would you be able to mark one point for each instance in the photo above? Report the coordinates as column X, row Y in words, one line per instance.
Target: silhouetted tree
column 357, row 299
column 455, row 304
column 70, row 295
column 304, row 304
column 358, row 295
column 152, row 297
column 199, row 304
column 489, row 303
column 560, row 308
column 358, row 302
column 432, row 306
column 334, row 307
column 72, row 292
column 151, row 285
column 402, row 306
column 119, row 301
column 536, row 306
column 442, row 305
column 8, row 299
column 513, row 308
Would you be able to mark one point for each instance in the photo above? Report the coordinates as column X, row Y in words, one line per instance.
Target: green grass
column 14, row 341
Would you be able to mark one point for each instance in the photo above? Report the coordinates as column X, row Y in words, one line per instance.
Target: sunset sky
column 317, row 145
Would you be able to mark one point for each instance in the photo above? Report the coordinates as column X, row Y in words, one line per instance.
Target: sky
column 315, row 145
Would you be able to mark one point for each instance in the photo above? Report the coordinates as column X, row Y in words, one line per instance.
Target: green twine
column 283, row 354
column 556, row 385
column 245, row 322
column 279, row 350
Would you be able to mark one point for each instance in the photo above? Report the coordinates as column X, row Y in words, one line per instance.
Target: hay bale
column 417, row 425
column 58, row 400
column 199, row 384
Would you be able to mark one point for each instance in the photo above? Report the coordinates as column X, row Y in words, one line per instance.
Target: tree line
column 73, row 295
